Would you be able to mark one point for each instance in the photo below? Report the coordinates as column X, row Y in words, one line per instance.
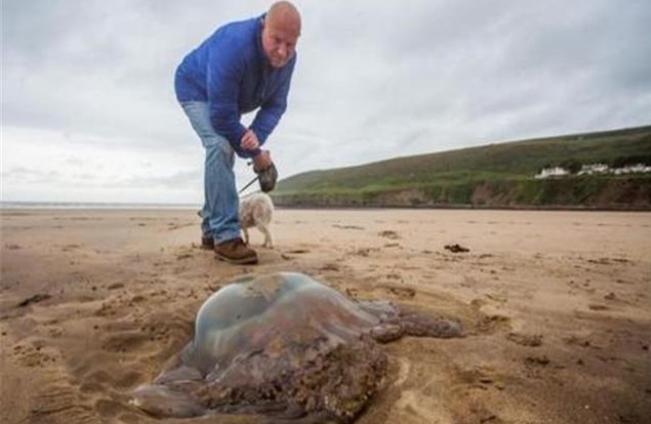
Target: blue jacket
column 230, row 71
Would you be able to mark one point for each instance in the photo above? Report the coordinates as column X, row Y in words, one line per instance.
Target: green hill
column 496, row 175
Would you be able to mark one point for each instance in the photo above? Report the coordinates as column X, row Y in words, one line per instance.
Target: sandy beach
column 556, row 307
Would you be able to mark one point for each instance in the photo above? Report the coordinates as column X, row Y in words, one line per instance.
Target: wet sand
column 93, row 303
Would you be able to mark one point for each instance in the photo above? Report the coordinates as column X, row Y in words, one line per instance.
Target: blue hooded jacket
column 230, row 71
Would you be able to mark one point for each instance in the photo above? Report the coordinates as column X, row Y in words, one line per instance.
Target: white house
column 556, row 171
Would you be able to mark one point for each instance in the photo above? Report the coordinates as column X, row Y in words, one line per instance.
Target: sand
column 557, row 307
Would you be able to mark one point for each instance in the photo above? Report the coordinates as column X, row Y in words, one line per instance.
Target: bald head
column 281, row 29
column 285, row 14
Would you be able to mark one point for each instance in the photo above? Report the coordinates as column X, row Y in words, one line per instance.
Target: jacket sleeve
column 273, row 109
column 225, row 68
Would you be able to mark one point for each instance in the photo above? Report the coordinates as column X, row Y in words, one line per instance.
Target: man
column 243, row 66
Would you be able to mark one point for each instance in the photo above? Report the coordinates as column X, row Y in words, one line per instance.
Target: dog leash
column 240, row 192
column 249, row 184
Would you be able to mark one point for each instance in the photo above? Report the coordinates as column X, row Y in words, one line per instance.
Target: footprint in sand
column 392, row 235
column 529, row 340
column 465, row 395
column 399, row 292
column 32, row 355
column 171, row 226
column 108, row 408
column 70, row 247
column 124, row 342
column 39, row 297
column 456, row 248
column 329, row 267
column 596, row 307
column 489, row 324
column 577, row 341
column 534, row 366
column 538, row 361
column 364, row 251
column 481, row 378
column 58, row 401
column 348, row 227
column 417, row 407
column 352, row 292
column 610, row 296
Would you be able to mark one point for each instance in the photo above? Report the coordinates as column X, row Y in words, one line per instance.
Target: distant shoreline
column 95, row 206
column 471, row 207
column 6, row 207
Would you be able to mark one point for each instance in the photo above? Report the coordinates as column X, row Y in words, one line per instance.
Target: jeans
column 221, row 203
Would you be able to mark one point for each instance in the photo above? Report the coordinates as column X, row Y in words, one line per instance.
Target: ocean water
column 96, row 205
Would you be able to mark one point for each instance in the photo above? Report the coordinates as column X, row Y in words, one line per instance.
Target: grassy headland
column 495, row 175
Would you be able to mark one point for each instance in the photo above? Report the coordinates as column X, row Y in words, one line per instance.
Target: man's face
column 279, row 43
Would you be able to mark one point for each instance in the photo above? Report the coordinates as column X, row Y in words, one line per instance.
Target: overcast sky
column 89, row 112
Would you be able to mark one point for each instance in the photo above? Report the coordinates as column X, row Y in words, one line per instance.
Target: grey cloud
column 374, row 80
column 27, row 175
column 85, row 176
column 74, row 162
column 91, row 67
column 22, row 176
column 181, row 179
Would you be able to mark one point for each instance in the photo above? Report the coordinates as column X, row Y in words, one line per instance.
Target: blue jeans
column 221, row 203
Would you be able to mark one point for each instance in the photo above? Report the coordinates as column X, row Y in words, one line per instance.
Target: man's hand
column 249, row 140
column 267, row 173
column 262, row 161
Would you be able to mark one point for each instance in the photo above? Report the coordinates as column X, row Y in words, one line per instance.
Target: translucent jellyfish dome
column 273, row 311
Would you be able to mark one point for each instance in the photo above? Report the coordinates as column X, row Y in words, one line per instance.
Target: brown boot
column 236, row 252
column 207, row 242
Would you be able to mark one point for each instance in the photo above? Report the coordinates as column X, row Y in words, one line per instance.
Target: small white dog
column 256, row 210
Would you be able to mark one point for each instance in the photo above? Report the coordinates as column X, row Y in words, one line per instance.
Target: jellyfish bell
column 249, row 314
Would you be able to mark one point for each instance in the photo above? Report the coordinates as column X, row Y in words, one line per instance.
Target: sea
column 96, row 205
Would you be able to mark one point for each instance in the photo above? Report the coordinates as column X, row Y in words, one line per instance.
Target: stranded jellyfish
column 286, row 346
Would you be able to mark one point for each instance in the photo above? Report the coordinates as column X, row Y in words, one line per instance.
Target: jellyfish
column 284, row 345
